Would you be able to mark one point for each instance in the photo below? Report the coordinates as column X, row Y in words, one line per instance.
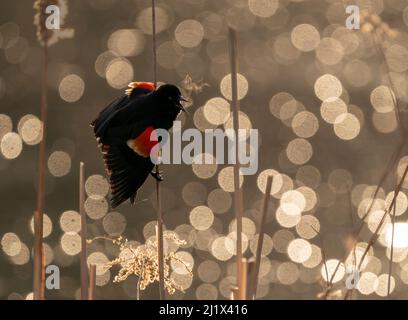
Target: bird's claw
column 157, row 175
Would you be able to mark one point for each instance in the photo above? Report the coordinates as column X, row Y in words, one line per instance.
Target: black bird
column 123, row 131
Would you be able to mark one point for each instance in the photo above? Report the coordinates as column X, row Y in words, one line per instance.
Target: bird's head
column 170, row 96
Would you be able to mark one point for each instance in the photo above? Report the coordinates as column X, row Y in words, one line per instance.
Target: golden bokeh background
column 321, row 95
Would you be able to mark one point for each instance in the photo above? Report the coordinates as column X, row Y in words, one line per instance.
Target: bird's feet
column 157, row 175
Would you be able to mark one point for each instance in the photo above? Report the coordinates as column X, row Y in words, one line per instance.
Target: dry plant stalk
column 386, row 212
column 234, row 293
column 371, row 242
column 326, row 270
column 376, row 233
column 39, row 268
column 142, row 262
column 83, row 255
column 237, row 190
column 392, row 251
column 244, row 279
column 253, row 285
column 159, row 229
column 46, row 38
column 92, row 282
column 383, row 178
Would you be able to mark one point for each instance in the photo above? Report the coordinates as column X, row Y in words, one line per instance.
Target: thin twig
column 375, row 235
column 391, row 206
column 39, row 268
column 326, row 269
column 83, row 256
column 391, row 251
column 383, row 178
column 237, row 190
column 264, row 210
column 160, row 246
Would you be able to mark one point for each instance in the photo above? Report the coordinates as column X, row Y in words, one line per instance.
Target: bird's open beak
column 181, row 106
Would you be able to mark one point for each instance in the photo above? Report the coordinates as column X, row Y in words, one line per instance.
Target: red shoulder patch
column 144, row 142
column 144, row 85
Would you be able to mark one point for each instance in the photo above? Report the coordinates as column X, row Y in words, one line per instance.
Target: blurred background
column 321, row 95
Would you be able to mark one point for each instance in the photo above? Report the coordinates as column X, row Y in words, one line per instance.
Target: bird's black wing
column 100, row 123
column 113, row 114
column 127, row 172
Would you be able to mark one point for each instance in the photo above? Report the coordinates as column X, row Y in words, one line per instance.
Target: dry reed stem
column 244, row 280
column 384, row 176
column 237, row 190
column 375, row 235
column 391, row 253
column 159, row 229
column 83, row 255
column 253, row 285
column 326, row 270
column 138, row 289
column 92, row 282
column 39, row 268
column 234, row 293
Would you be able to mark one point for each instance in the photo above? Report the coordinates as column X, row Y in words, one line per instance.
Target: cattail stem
column 92, row 282
column 237, row 190
column 83, row 255
column 160, row 245
column 39, row 268
column 264, row 211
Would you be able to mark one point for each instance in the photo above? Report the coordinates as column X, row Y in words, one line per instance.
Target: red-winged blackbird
column 123, row 131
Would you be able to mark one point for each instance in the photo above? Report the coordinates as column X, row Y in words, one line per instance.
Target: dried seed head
column 143, row 262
